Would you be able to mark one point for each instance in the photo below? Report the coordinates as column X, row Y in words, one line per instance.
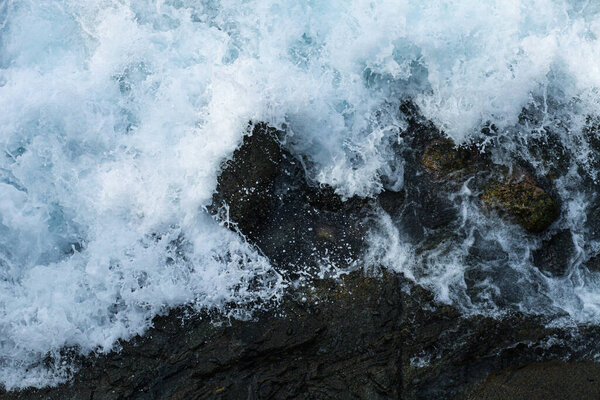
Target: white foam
column 116, row 116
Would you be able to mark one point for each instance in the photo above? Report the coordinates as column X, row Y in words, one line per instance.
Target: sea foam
column 116, row 115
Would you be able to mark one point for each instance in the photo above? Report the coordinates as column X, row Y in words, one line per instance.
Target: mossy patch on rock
column 443, row 157
column 523, row 201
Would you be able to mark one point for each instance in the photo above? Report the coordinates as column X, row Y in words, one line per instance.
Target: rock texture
column 294, row 222
column 554, row 380
column 309, row 349
column 443, row 157
column 554, row 255
column 246, row 181
column 358, row 338
column 523, row 201
column 516, row 196
column 361, row 336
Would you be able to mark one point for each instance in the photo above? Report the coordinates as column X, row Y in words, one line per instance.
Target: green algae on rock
column 523, row 201
column 443, row 157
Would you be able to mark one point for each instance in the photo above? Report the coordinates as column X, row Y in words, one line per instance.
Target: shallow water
column 116, row 114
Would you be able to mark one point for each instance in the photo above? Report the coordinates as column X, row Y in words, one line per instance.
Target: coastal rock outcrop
column 357, row 337
column 245, row 185
column 522, row 200
column 443, row 157
column 296, row 223
column 516, row 196
column 361, row 335
column 554, row 255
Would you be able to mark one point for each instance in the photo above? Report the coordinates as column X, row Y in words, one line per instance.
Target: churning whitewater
column 115, row 116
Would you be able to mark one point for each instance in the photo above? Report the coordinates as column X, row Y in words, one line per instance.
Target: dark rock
column 307, row 350
column 423, row 203
column 554, row 255
column 554, row 380
column 593, row 264
column 522, row 200
column 591, row 133
column 245, row 184
column 358, row 337
column 392, row 202
column 436, row 166
column 296, row 224
column 307, row 223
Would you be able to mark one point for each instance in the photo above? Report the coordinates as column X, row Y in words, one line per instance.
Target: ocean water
column 115, row 116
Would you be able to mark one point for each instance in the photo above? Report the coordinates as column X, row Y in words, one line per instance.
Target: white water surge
column 116, row 114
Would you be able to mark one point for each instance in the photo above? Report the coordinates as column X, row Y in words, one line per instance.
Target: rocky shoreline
column 369, row 333
column 364, row 338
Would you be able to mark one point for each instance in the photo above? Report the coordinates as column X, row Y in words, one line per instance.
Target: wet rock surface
column 360, row 336
column 436, row 167
column 443, row 157
column 245, row 185
column 294, row 223
column 354, row 338
column 336, row 340
column 520, row 197
column 516, row 195
column 554, row 380
column 554, row 255
column 423, row 204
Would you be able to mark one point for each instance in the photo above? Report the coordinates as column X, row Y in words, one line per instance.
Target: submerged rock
column 523, row 201
column 554, row 255
column 518, row 196
column 443, row 157
column 423, row 204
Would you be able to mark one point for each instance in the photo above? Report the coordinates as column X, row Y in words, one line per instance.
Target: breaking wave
column 116, row 115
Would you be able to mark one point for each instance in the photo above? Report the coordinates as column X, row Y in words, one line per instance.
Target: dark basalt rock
column 309, row 349
column 358, row 337
column 547, row 381
column 423, row 203
column 554, row 255
column 296, row 224
column 245, row 185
